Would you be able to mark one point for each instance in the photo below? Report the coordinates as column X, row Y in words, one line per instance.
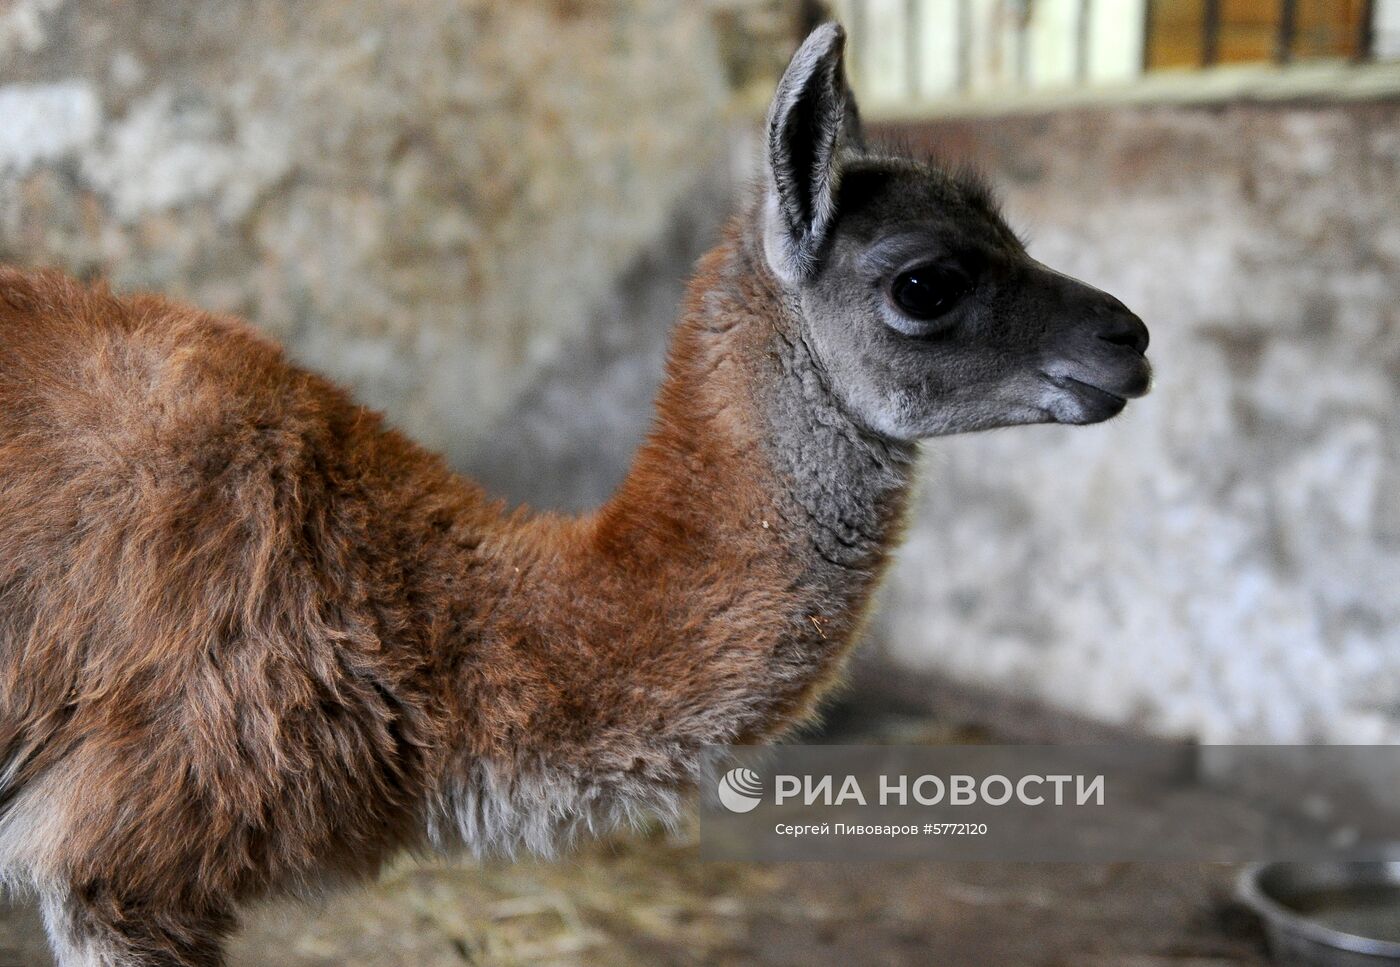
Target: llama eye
column 928, row 292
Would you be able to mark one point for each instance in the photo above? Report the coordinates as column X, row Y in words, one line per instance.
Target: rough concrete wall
column 1222, row 561
column 425, row 199
column 567, row 439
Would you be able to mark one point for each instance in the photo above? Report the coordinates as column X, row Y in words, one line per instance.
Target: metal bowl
column 1330, row 914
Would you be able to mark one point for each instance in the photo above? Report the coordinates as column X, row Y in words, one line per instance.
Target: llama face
column 923, row 308
column 930, row 318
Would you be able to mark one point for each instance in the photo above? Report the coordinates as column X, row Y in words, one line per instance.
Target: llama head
column 924, row 310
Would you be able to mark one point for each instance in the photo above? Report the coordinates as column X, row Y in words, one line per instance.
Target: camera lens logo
column 740, row 790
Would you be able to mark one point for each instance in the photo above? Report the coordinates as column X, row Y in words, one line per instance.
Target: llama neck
column 845, row 487
column 750, row 435
column 711, row 601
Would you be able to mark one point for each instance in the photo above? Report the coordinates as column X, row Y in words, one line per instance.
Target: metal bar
column 1366, row 31
column 811, row 14
column 856, row 53
column 1149, row 18
column 1023, row 45
column 998, row 55
column 1210, row 34
column 1081, row 40
column 913, row 48
column 964, row 30
column 1287, row 31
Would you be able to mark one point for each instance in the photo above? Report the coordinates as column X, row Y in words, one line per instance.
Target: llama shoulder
column 148, row 394
column 220, row 552
column 136, row 426
column 138, row 377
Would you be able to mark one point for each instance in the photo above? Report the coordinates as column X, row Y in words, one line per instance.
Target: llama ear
column 812, row 118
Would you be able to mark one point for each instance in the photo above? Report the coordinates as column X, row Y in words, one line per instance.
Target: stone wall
column 427, row 200
column 1222, row 561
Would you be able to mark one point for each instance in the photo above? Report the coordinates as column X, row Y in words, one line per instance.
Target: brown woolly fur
column 250, row 637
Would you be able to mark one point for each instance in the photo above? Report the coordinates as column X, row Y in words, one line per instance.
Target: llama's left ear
column 812, row 119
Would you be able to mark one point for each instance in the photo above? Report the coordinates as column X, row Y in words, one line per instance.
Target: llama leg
column 91, row 927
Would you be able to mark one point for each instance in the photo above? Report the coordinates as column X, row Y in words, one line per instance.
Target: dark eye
column 929, row 291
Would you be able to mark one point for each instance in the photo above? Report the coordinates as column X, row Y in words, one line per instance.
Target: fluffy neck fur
column 743, row 382
column 712, row 600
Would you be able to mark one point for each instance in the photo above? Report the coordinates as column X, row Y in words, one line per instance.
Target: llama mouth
column 1087, row 403
column 1078, row 385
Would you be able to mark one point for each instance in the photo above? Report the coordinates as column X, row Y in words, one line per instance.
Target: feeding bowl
column 1327, row 914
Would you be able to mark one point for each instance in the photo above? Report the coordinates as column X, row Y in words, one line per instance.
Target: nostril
column 1125, row 329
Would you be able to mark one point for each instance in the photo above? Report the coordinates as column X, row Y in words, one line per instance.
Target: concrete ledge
column 1325, row 81
column 875, row 688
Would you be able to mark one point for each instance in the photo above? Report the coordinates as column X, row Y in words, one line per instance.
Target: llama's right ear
column 812, row 118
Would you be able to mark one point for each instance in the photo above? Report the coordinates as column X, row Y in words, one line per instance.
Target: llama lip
column 1087, row 403
column 1141, row 382
column 1078, row 385
column 1136, row 383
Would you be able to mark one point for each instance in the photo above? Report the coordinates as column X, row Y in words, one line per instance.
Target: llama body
column 251, row 639
column 251, row 634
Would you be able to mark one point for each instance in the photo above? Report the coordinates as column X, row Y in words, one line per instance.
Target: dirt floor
column 651, row 902
column 648, row 900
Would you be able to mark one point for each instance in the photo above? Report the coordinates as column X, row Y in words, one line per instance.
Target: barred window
column 913, row 51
